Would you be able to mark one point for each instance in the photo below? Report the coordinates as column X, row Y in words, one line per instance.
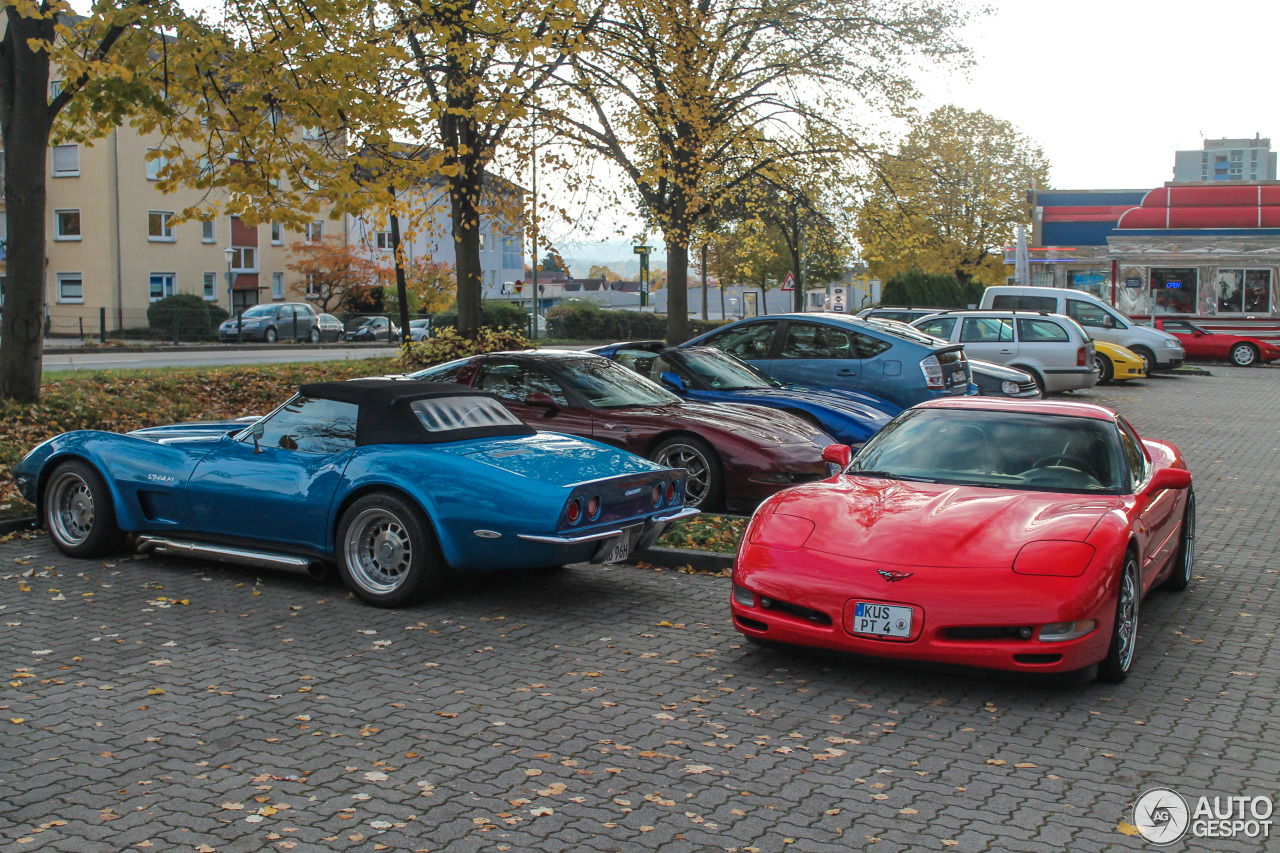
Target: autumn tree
column 603, row 273
column 690, row 100
column 338, row 276
column 111, row 67
column 949, row 197
column 432, row 285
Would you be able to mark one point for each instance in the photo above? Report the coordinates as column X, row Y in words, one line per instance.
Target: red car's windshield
column 1006, row 450
column 607, row 385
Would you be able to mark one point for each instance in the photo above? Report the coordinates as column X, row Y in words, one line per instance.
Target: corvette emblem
column 894, row 577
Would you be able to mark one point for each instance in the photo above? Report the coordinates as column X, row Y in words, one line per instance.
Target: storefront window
column 1173, row 291
column 1243, row 290
column 1093, row 282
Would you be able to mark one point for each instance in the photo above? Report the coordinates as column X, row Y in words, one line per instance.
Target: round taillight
column 575, row 510
column 593, row 507
column 657, row 494
column 671, row 492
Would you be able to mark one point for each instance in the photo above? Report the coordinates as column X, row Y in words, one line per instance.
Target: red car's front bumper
column 966, row 616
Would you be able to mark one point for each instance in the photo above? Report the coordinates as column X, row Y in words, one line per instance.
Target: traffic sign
column 642, row 250
column 518, row 286
column 789, row 283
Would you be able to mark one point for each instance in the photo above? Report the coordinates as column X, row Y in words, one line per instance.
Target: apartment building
column 1227, row 160
column 113, row 247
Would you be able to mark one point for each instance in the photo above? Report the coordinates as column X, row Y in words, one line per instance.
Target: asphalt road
column 120, row 358
column 176, row 705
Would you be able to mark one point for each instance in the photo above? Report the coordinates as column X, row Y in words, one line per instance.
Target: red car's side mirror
column 837, row 454
column 1170, row 478
column 543, row 401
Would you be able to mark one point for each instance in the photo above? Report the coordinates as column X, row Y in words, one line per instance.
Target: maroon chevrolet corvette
column 736, row 455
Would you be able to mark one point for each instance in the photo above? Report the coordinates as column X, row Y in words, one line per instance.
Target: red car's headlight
column 781, row 531
column 1054, row 558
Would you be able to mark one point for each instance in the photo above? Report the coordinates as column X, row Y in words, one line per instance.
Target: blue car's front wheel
column 387, row 551
column 78, row 511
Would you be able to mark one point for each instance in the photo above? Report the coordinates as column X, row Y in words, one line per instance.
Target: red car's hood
column 758, row 423
column 928, row 524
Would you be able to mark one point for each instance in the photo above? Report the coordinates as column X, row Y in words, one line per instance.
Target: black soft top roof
column 386, row 416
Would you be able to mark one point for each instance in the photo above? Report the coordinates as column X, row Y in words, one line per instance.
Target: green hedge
column 916, row 288
column 494, row 314
column 587, row 321
column 193, row 315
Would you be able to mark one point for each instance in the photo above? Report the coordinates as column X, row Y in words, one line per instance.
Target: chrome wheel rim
column 379, row 551
column 1146, row 361
column 1100, row 365
column 698, row 486
column 1127, row 614
column 1189, row 538
column 71, row 510
column 1242, row 355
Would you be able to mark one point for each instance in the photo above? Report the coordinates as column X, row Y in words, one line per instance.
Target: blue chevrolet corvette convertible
column 398, row 483
column 709, row 375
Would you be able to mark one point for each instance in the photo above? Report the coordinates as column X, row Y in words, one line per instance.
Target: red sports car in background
column 736, row 455
column 1002, row 534
column 1240, row 350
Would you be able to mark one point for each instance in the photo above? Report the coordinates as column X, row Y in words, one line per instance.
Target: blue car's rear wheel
column 387, row 551
column 78, row 511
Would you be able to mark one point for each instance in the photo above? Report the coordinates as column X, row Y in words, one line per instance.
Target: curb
column 1186, row 370
column 712, row 562
column 13, row 525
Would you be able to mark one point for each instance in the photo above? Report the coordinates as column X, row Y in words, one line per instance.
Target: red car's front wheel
column 1124, row 635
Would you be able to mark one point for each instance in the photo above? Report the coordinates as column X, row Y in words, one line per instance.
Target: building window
column 161, row 285
column 315, row 232
column 66, row 224
column 155, row 164
column 211, row 286
column 70, row 287
column 207, row 233
column 277, row 285
column 55, row 89
column 1173, row 291
column 1242, row 291
column 312, row 289
column 383, row 240
column 244, row 259
column 277, row 234
column 484, row 242
column 159, row 226
column 512, row 256
column 66, row 161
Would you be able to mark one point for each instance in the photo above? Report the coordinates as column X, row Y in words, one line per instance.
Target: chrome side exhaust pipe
column 226, row 554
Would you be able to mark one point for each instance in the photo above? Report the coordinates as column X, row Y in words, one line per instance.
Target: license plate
column 881, row 620
column 614, row 550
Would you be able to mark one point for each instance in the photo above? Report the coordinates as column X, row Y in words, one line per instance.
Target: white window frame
column 171, row 289
column 53, row 161
column 167, row 234
column 315, row 231
column 64, row 277
column 277, row 285
column 239, row 257
column 310, row 282
column 277, row 234
column 55, row 88
column 154, row 165
column 382, row 240
column 208, row 231
column 58, row 236
column 210, row 287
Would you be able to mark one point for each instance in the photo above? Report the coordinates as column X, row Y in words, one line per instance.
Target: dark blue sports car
column 710, row 375
column 397, row 483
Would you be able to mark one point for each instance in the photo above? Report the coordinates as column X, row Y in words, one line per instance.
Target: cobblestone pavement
column 171, row 705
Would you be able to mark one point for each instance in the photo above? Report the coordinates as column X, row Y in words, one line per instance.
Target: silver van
column 1160, row 351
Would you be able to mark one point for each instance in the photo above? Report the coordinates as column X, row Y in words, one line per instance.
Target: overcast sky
column 1111, row 88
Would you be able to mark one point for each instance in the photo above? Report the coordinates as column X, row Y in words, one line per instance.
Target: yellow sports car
column 1115, row 363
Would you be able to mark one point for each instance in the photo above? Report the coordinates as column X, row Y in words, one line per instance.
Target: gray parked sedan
column 271, row 322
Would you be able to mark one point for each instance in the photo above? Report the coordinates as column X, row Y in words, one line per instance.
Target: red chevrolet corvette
column 1240, row 350
column 988, row 532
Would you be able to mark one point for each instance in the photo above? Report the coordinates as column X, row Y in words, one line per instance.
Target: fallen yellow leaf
column 1126, row 828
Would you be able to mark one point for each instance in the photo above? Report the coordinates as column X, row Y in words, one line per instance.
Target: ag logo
column 1161, row 816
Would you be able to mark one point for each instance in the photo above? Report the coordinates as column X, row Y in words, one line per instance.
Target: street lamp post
column 231, row 296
